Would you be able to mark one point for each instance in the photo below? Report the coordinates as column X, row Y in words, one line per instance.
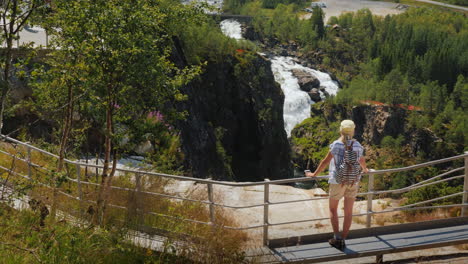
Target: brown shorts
column 337, row 191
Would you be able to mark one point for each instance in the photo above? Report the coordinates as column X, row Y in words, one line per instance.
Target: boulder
column 324, row 91
column 315, row 95
column 144, row 148
column 306, row 80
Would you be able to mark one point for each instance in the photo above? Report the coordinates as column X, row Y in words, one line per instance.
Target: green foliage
column 125, row 50
column 24, row 240
column 272, row 4
column 227, row 160
column 317, row 21
column 204, row 41
column 283, row 23
column 436, row 190
column 311, row 140
column 390, row 142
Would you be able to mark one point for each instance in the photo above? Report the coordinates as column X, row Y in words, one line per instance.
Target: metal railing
column 211, row 203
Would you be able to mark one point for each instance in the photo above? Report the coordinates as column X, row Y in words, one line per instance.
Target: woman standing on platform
column 341, row 170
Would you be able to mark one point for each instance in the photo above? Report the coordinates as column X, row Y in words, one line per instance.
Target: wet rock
column 324, row 91
column 306, row 80
column 315, row 95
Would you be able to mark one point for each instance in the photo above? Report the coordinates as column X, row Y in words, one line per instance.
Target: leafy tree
column 14, row 16
column 460, row 93
column 317, row 21
column 125, row 47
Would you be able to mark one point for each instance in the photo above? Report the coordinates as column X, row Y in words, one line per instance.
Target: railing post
column 28, row 149
column 80, row 192
column 210, row 199
column 465, row 189
column 370, row 196
column 266, row 202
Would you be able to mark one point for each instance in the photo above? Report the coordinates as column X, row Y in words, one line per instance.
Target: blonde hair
column 347, row 130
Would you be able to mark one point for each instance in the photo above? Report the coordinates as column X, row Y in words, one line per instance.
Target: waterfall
column 297, row 102
column 231, row 28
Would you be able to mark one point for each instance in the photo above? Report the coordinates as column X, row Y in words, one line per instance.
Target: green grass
column 213, row 245
column 24, row 240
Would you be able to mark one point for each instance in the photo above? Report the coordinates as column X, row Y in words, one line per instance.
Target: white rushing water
column 297, row 102
column 231, row 28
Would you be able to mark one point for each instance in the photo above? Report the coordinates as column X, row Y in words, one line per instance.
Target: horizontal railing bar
column 144, row 192
column 283, row 181
column 432, row 200
column 439, row 176
column 178, row 218
column 238, row 207
column 250, row 206
column 9, row 154
column 420, row 186
column 297, row 201
column 29, row 146
column 375, row 212
column 15, row 173
column 421, row 208
column 244, row 228
column 419, row 183
column 21, row 159
column 174, row 197
column 417, row 166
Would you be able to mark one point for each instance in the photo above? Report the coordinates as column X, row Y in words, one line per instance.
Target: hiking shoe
column 337, row 243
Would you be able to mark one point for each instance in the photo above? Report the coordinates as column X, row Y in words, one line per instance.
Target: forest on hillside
column 417, row 60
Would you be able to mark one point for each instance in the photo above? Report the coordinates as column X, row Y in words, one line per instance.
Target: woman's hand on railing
column 307, row 173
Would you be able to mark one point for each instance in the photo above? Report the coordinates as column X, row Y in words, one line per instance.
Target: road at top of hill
column 337, row 7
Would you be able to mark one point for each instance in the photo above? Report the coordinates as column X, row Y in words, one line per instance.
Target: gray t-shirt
column 337, row 149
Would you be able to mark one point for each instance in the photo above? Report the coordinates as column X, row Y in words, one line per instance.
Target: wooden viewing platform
column 375, row 241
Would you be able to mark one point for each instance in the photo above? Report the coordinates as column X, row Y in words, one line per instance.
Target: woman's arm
column 323, row 163
column 362, row 162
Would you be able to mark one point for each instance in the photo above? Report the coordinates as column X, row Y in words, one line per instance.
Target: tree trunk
column 6, row 79
column 63, row 143
column 98, row 217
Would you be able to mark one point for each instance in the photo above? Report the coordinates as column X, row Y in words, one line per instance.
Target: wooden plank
column 374, row 245
column 374, row 231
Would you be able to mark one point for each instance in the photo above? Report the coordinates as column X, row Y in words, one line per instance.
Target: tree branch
column 28, row 14
column 31, row 251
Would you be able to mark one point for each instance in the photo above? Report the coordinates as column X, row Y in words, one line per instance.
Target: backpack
column 349, row 170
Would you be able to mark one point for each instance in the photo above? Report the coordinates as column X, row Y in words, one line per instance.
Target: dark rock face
column 235, row 129
column 422, row 140
column 373, row 123
column 305, row 80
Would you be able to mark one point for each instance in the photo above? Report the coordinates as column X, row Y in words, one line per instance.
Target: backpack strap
column 350, row 147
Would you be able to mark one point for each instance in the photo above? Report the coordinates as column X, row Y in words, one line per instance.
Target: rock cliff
column 235, row 129
column 310, row 139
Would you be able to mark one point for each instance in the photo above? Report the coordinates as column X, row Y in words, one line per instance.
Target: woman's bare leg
column 333, row 207
column 348, row 215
